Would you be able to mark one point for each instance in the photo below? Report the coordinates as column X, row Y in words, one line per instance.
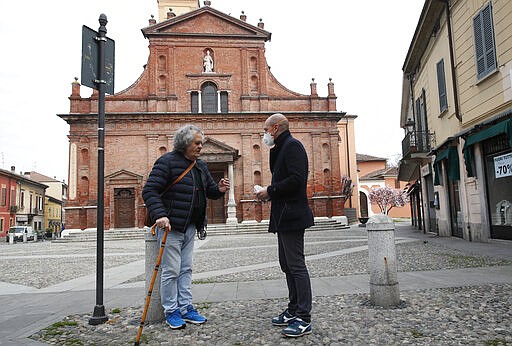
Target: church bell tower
column 178, row 7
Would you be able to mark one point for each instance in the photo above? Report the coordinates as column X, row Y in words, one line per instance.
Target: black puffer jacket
column 177, row 202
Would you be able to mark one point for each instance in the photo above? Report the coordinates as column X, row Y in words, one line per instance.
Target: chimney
column 261, row 25
column 152, row 20
column 170, row 14
column 13, row 169
column 243, row 17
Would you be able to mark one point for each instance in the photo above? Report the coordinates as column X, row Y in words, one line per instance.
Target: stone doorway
column 215, row 209
column 124, row 208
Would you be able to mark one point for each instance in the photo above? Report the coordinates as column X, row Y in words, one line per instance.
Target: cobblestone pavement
column 469, row 315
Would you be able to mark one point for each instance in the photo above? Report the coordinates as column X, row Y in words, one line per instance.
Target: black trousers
column 293, row 264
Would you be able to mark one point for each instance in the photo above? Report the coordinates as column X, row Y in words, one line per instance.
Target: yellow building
column 56, row 197
column 457, row 113
column 53, row 216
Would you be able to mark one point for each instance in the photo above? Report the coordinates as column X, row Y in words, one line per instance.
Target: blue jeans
column 176, row 276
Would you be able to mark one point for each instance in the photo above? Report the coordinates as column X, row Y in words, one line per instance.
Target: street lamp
column 410, row 125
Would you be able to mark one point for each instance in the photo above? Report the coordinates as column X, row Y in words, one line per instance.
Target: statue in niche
column 208, row 62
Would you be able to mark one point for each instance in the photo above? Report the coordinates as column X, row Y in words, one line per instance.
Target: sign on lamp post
column 98, row 73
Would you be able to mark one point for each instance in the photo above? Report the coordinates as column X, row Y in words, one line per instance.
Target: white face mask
column 268, row 140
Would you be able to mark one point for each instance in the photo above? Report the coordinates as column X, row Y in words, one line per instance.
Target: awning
column 504, row 127
column 452, row 157
column 408, row 170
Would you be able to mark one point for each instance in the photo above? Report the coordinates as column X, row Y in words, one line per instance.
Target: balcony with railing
column 417, row 142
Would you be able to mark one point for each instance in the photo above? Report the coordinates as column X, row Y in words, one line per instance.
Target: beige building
column 55, row 201
column 457, row 114
column 30, row 196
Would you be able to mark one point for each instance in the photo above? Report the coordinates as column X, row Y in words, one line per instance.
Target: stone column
column 155, row 311
column 384, row 289
column 199, row 105
column 231, row 197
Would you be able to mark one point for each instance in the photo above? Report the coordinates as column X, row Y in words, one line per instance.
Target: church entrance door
column 124, row 208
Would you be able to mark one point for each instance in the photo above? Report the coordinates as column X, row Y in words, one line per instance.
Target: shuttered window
column 441, row 86
column 484, row 42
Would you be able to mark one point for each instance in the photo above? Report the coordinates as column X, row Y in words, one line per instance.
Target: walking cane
column 155, row 272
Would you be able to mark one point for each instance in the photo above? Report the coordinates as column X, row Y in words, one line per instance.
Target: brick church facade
column 206, row 68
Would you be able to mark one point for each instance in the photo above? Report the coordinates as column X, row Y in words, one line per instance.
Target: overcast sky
column 361, row 45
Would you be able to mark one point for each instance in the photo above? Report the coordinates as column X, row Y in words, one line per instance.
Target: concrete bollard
column 384, row 289
column 25, row 237
column 155, row 311
column 11, row 238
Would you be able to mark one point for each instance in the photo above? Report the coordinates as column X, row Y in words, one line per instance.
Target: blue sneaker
column 192, row 316
column 174, row 320
column 297, row 328
column 283, row 319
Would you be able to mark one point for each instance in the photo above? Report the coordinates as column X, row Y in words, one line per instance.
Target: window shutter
column 484, row 42
column 488, row 32
column 441, row 85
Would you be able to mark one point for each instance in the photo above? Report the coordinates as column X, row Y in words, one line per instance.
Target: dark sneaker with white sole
column 283, row 319
column 297, row 328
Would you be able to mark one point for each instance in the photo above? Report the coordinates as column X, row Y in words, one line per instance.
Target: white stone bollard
column 11, row 238
column 155, row 311
column 384, row 290
column 25, row 237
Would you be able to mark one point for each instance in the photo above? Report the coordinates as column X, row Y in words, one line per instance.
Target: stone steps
column 89, row 235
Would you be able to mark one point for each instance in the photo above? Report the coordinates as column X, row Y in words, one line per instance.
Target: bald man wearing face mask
column 290, row 215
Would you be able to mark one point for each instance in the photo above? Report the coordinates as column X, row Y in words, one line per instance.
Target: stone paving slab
column 27, row 310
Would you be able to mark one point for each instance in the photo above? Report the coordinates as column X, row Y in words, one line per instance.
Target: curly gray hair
column 185, row 135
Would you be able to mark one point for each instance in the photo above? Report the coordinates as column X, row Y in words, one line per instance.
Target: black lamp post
column 99, row 315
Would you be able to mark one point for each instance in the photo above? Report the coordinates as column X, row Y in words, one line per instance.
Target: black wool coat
column 177, row 202
column 290, row 210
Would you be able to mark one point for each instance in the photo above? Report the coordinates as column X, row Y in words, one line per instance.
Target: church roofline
column 154, row 30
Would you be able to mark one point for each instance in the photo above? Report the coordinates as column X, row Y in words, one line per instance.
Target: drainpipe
column 452, row 60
